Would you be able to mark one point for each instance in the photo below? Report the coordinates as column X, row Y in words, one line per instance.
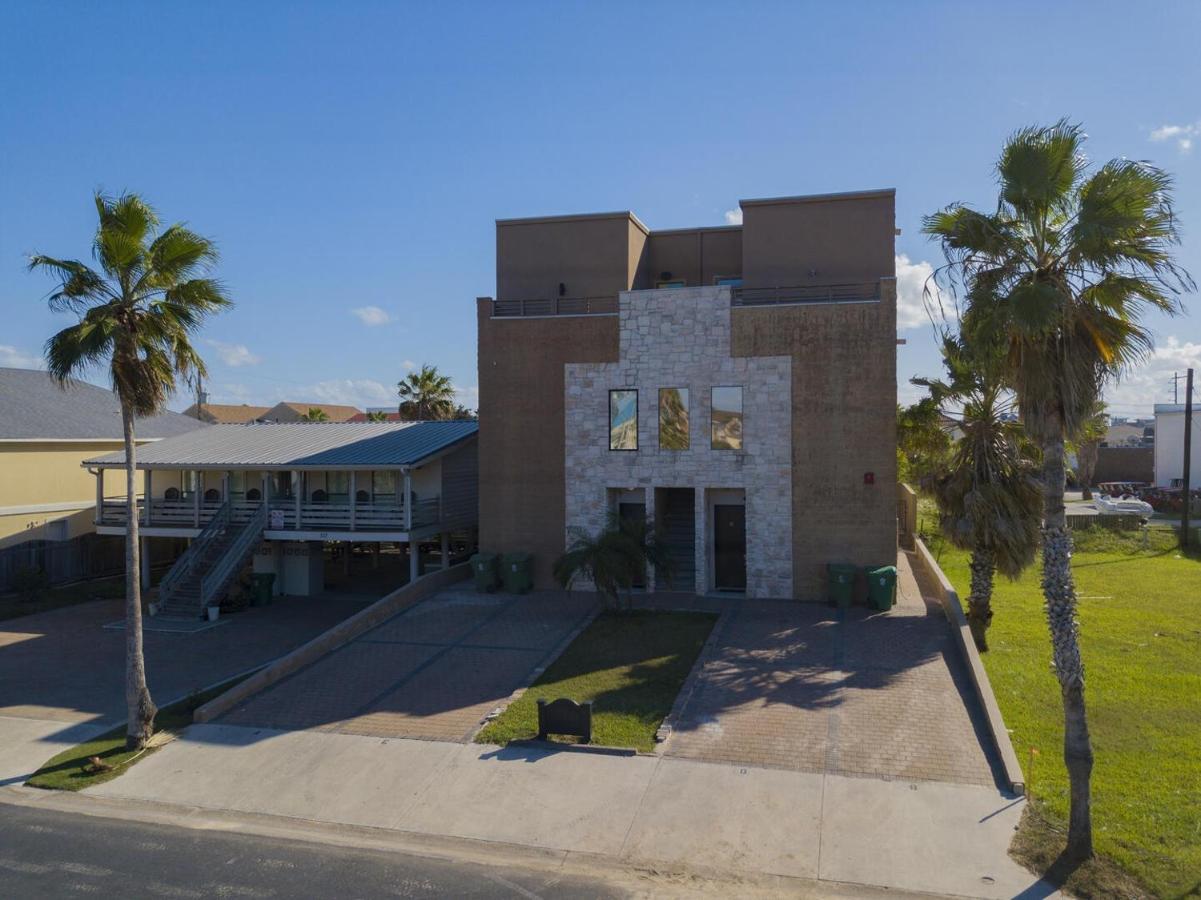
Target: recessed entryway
column 729, row 547
column 675, row 512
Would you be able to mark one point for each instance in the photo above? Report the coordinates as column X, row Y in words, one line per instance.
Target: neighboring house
column 736, row 383
column 295, row 412
column 1131, row 464
column 286, row 489
column 1130, row 433
column 391, row 415
column 45, row 432
column 1169, row 445
column 225, row 413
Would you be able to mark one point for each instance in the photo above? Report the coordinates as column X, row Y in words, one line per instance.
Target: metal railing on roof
column 555, row 306
column 857, row 292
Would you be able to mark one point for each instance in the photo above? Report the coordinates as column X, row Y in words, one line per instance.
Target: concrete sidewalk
column 704, row 817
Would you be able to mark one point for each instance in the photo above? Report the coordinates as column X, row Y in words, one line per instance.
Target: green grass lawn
column 68, row 771
column 1140, row 619
column 630, row 665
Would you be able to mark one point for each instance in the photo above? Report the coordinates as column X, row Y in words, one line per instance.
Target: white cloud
column 1182, row 134
column 911, row 282
column 468, row 396
column 360, row 392
column 372, row 316
column 1151, row 382
column 234, row 355
column 734, row 216
column 13, row 358
column 409, row 365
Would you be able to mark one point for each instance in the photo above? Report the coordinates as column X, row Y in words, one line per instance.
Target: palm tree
column 425, row 395
column 1062, row 269
column 614, row 558
column 137, row 315
column 987, row 491
column 1087, row 441
column 315, row 414
column 377, row 415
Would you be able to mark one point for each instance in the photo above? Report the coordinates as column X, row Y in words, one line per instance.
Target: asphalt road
column 46, row 853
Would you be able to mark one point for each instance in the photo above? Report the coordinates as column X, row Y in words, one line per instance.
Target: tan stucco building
column 45, row 433
column 737, row 384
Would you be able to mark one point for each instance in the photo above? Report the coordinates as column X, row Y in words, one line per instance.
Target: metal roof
column 34, row 407
column 302, row 445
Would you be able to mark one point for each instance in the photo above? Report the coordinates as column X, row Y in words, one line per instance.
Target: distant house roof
column 289, row 411
column 304, row 445
column 362, row 417
column 34, row 407
column 225, row 413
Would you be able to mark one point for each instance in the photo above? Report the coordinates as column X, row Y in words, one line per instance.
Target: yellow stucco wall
column 33, row 474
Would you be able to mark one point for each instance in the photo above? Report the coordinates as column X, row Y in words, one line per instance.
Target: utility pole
column 1175, row 387
column 1188, row 450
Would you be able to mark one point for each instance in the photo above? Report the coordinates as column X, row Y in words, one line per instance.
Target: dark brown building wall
column 590, row 255
column 698, row 256
column 521, row 445
column 843, row 426
column 846, row 238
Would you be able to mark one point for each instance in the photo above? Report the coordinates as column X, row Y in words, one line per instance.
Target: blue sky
column 350, row 158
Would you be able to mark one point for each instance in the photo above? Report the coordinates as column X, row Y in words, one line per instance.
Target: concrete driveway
column 62, row 673
column 433, row 671
column 851, row 692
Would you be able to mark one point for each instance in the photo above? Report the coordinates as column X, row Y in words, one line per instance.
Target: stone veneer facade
column 680, row 338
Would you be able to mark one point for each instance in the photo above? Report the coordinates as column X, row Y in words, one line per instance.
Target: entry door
column 633, row 512
column 729, row 548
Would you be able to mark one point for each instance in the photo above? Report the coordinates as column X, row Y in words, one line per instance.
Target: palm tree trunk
column 979, row 601
column 140, row 708
column 1059, row 592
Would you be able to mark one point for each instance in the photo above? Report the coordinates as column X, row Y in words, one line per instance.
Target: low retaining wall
column 953, row 608
column 342, row 633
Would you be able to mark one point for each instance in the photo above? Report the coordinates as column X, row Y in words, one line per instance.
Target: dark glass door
column 634, row 512
column 729, row 548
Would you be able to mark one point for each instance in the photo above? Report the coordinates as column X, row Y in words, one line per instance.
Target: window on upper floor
column 673, row 418
column 623, row 419
column 726, row 418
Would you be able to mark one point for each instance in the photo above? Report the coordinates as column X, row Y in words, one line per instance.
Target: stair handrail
column 183, row 566
column 224, row 568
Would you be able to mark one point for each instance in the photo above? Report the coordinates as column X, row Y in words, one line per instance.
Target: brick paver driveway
column 433, row 671
column 851, row 692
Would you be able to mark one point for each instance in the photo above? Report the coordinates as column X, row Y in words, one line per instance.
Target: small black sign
column 565, row 716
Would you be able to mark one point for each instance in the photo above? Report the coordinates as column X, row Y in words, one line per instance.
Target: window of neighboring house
column 623, row 420
column 726, row 418
column 673, row 418
column 731, row 280
column 672, row 283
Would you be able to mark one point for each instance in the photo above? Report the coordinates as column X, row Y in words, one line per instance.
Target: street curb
column 953, row 608
column 325, row 643
column 641, row 877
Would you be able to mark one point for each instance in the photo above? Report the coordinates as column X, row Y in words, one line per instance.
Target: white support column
column 196, row 499
column 99, row 495
column 147, row 488
column 414, row 561
column 298, row 493
column 446, row 549
column 266, row 481
column 225, row 478
column 353, row 492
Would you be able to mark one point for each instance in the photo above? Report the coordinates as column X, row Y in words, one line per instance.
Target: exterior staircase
column 204, row 572
column 678, row 523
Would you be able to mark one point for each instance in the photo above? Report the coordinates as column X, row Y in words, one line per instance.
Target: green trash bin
column 484, row 570
column 882, row 587
column 518, row 572
column 841, row 582
column 264, row 583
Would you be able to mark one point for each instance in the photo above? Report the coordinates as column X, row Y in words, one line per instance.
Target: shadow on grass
column 72, row 770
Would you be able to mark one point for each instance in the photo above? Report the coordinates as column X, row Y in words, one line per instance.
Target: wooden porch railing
column 281, row 514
